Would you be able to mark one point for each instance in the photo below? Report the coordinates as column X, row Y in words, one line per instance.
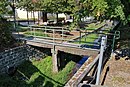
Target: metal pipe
column 100, row 60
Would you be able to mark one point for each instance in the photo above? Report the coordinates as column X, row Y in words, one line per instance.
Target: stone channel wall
column 15, row 56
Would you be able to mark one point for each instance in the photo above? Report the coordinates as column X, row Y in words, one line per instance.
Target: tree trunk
column 57, row 17
column 27, row 17
column 34, row 16
column 44, row 16
column 14, row 19
column 38, row 17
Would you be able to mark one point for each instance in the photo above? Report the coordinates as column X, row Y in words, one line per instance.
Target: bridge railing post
column 54, row 60
column 31, row 29
column 34, row 34
column 103, row 44
column 45, row 30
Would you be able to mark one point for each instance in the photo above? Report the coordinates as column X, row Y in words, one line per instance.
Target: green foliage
column 101, row 9
column 116, row 9
column 124, row 37
column 128, row 18
column 37, row 74
column 3, row 9
column 5, row 34
column 26, row 4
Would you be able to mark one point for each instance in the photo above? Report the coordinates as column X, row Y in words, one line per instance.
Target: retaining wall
column 16, row 56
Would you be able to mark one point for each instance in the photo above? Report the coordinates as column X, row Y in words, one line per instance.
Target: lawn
column 87, row 39
column 22, row 29
column 36, row 33
column 95, row 25
column 37, row 74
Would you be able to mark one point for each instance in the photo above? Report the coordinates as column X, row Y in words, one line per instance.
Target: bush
column 5, row 34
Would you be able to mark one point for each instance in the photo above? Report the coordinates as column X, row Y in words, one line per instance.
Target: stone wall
column 15, row 56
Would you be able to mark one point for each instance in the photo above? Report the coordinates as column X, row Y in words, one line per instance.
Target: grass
column 89, row 38
column 95, row 26
column 22, row 29
column 37, row 74
column 36, row 33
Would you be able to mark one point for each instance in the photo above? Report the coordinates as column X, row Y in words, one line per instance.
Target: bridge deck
column 65, row 47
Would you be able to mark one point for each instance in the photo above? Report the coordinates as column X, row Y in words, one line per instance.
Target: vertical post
column 116, row 36
column 31, row 30
column 100, row 60
column 62, row 35
column 27, row 17
column 38, row 18
column 34, row 34
column 54, row 60
column 14, row 17
column 53, row 37
column 45, row 31
column 85, row 34
column 80, row 37
column 34, row 16
column 57, row 18
column 54, row 56
column 53, row 50
column 113, row 43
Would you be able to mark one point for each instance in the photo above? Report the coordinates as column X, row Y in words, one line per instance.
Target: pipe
column 100, row 60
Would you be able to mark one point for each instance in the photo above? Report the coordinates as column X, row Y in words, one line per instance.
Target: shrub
column 5, row 34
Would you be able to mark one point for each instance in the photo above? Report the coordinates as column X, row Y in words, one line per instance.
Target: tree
column 4, row 8
column 99, row 7
column 79, row 9
column 126, row 4
column 5, row 27
column 115, row 10
column 118, row 9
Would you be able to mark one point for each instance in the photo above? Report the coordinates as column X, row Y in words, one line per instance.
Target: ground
column 118, row 73
column 37, row 74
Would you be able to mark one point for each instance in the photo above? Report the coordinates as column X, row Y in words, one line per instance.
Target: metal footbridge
column 95, row 50
column 62, row 43
column 64, row 46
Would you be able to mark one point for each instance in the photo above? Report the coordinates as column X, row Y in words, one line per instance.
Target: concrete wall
column 16, row 56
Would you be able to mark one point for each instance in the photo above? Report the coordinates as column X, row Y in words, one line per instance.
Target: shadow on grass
column 23, row 78
column 39, row 81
